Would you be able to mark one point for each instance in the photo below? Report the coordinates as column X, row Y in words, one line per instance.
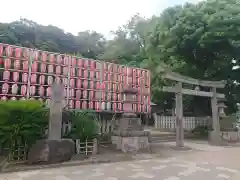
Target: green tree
column 199, row 40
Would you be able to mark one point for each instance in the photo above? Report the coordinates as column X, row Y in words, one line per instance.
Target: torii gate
column 179, row 91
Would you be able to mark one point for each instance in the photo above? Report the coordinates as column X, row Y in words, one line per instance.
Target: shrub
column 84, row 127
column 201, row 131
column 22, row 122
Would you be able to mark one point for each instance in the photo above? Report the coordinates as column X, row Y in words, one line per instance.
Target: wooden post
column 215, row 135
column 179, row 116
column 56, row 106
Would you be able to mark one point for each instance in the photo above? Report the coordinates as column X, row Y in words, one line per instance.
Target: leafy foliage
column 200, row 131
column 22, row 122
column 84, row 127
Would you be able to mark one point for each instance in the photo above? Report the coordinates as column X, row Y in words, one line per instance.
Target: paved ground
column 213, row 163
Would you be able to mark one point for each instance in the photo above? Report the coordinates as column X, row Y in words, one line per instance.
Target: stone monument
column 54, row 149
column 128, row 134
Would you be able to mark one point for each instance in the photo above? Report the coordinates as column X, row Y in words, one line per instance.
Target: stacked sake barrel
column 89, row 84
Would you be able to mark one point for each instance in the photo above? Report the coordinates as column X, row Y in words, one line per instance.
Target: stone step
column 163, row 138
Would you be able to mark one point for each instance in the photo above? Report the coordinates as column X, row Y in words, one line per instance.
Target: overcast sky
column 79, row 15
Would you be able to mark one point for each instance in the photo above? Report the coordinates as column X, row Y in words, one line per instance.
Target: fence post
column 95, row 146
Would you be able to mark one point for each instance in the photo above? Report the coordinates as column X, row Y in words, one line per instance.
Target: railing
column 169, row 122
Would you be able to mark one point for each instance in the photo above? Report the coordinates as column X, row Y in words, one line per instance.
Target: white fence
column 169, row 122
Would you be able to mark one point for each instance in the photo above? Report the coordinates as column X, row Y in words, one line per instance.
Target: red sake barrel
column 43, row 67
column 103, row 95
column 50, row 68
column 109, row 86
column 49, row 91
column 109, row 96
column 50, row 80
column 18, row 52
column 120, row 106
column 84, row 94
column 84, row 105
column 98, row 86
column 103, row 85
column 79, row 63
column 65, row 81
column 24, row 77
column 6, row 75
column 1, row 50
column 7, row 64
column 14, row 88
column 90, row 105
column 73, row 62
column 91, row 95
column 91, row 85
column 72, row 92
column 77, row 105
column 97, row 106
column 9, row 50
column 26, row 53
column 79, row 83
column 85, row 73
column 44, row 57
column 78, row 94
column 139, row 107
column 65, row 70
column 41, row 91
column 13, row 98
column 72, row 83
column 35, row 55
column 4, row 98
column 105, row 66
column 79, row 72
column 85, row 84
column 34, row 66
column 59, row 59
column 86, row 62
column 33, row 78
column 92, row 74
column 58, row 80
column 32, row 90
column 114, row 106
column 93, row 65
column 23, row 90
column 98, row 75
column 114, row 96
column 58, row 70
column 51, row 58
column 16, row 64
column 119, row 97
column 72, row 72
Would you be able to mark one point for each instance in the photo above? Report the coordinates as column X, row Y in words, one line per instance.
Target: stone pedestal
column 128, row 134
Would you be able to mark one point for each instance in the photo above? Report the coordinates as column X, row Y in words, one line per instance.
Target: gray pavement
column 209, row 162
column 156, row 169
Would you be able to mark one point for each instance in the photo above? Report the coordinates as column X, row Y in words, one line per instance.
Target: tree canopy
column 198, row 40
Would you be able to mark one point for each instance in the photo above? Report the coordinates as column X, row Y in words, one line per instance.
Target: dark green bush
column 22, row 122
column 201, row 131
column 84, row 127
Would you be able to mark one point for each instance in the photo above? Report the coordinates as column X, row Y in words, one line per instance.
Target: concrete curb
column 50, row 166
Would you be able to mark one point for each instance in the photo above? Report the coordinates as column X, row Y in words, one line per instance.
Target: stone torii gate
column 179, row 91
